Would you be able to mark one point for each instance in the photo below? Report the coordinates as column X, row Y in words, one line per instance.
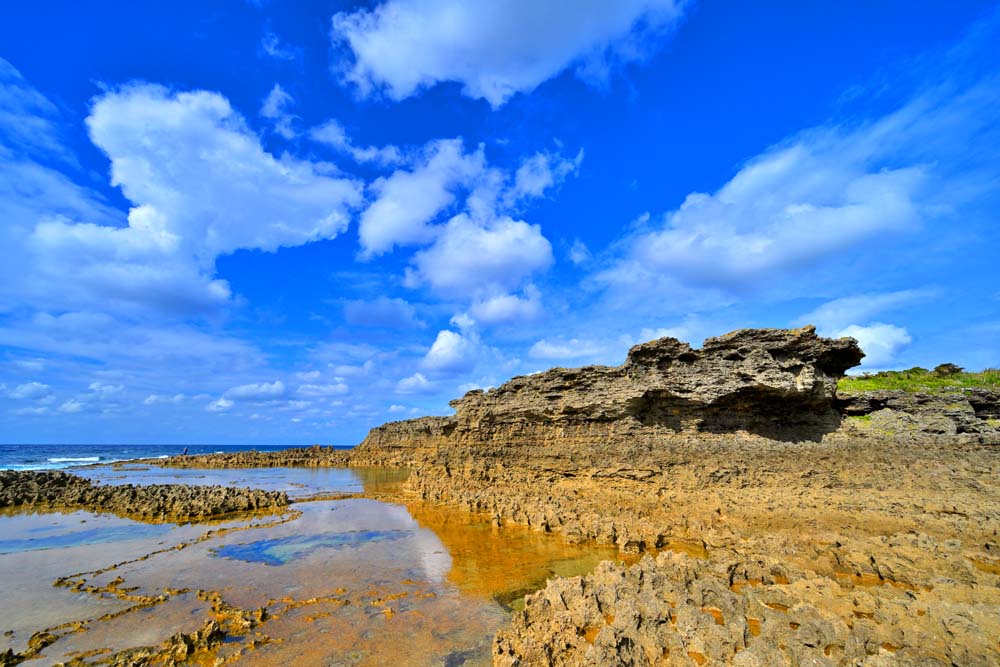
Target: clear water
column 358, row 581
column 283, row 550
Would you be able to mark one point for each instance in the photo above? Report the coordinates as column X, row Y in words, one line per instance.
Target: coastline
column 767, row 520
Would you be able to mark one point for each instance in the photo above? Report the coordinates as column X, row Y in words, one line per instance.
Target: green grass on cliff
column 943, row 379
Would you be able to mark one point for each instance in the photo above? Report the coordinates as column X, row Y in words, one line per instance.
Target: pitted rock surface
column 775, row 383
column 747, row 612
column 58, row 490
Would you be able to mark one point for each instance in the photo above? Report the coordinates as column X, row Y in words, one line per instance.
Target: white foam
column 75, row 459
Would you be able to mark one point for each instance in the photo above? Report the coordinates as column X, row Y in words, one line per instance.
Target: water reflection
column 282, row 550
column 341, row 581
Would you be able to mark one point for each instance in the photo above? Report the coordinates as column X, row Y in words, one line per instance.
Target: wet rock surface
column 56, row 490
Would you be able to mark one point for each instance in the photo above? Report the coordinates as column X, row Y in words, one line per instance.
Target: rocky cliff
column 775, row 383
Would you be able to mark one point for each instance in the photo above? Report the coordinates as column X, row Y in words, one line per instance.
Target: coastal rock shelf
column 60, row 490
column 775, row 383
column 679, row 610
column 777, row 521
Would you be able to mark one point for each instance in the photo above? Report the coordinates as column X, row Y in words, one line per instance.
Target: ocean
column 57, row 457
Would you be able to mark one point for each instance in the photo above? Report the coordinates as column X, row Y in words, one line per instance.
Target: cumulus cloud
column 852, row 316
column 541, row 172
column 408, row 200
column 508, row 308
column 880, row 342
column 201, row 186
column 579, row 253
column 821, row 192
column 839, row 313
column 789, row 207
column 496, row 49
column 221, row 404
column 332, row 133
column 415, row 384
column 274, row 108
column 481, row 252
column 451, row 352
column 471, row 257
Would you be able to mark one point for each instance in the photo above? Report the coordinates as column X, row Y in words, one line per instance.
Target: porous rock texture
column 783, row 532
column 60, row 490
column 775, row 383
column 747, row 611
column 777, row 523
column 296, row 457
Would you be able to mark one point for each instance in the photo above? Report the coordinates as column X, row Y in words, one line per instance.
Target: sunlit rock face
column 775, row 383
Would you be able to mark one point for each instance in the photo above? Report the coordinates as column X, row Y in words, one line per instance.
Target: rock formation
column 57, row 490
column 775, row 383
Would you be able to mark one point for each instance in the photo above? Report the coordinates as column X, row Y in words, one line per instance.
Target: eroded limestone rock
column 57, row 489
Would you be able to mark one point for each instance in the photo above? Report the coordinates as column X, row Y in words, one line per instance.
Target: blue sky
column 284, row 223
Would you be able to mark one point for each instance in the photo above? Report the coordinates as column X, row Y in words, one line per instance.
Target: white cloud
column 333, row 134
column 334, row 389
column 308, row 376
column 220, row 405
column 153, row 399
column 823, row 191
column 271, row 45
column 790, row 206
column 27, row 118
column 397, row 408
column 496, row 49
column 256, row 391
column 201, row 186
column 451, row 352
column 541, row 172
column 569, row 349
column 408, row 201
column 839, row 313
column 30, row 390
column 415, row 384
column 579, row 252
column 274, row 109
column 71, row 406
column 480, row 253
column 471, row 258
column 880, row 342
column 508, row 308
